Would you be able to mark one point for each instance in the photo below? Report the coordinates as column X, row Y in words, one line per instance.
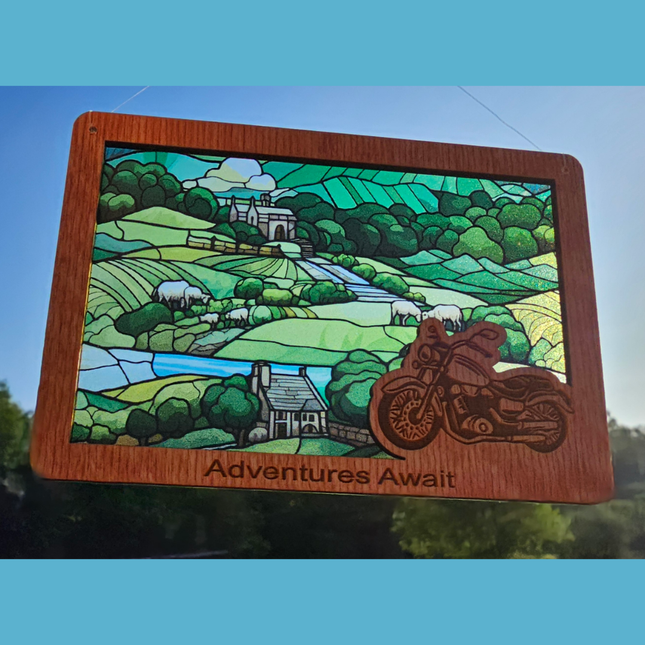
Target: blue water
column 173, row 364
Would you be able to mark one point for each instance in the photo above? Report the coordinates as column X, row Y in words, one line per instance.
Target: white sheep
column 404, row 309
column 172, row 294
column 240, row 315
column 446, row 314
column 211, row 319
column 195, row 296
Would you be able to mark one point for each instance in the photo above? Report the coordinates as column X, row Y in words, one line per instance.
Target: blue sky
column 602, row 127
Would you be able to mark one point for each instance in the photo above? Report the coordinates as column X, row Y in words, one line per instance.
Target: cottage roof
column 293, row 393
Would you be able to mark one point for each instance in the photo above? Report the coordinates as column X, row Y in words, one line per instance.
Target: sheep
column 195, row 296
column 240, row 315
column 172, row 294
column 446, row 314
column 211, row 319
column 404, row 309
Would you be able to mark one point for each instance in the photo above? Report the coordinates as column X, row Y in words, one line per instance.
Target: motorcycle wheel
column 549, row 412
column 400, row 425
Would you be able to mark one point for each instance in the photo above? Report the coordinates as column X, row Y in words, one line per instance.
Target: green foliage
column 348, row 391
column 473, row 213
column 460, row 529
column 459, row 224
column 476, row 243
column 145, row 319
column 365, row 271
column 429, row 238
column 434, row 219
column 201, row 203
column 174, row 419
column 249, row 288
column 347, row 261
column 524, row 216
column 141, row 425
column 113, row 207
column 482, row 199
column 518, row 244
column 15, row 426
column 447, row 241
column 451, row 204
column 492, row 228
column 326, row 292
column 231, row 407
column 401, row 210
column 276, row 297
column 545, row 237
column 392, row 283
column 516, row 347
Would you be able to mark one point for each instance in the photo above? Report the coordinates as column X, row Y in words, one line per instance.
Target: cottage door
column 281, row 430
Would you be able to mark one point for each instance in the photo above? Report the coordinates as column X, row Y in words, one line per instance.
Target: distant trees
column 133, row 186
column 502, row 231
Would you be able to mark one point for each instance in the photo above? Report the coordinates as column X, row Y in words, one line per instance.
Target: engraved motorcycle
column 448, row 382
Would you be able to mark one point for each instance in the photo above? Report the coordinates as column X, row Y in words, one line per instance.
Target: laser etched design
column 448, row 382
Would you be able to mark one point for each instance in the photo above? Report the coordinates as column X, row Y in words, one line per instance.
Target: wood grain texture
column 578, row 472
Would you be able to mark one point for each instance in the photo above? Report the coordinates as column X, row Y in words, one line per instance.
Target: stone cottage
column 290, row 405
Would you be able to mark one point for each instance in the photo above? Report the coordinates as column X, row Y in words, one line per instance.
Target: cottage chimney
column 302, row 371
column 265, row 373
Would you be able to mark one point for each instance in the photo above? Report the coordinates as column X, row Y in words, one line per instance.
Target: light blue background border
column 201, row 42
column 321, row 602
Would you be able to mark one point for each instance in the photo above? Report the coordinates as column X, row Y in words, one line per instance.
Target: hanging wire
column 508, row 125
column 133, row 96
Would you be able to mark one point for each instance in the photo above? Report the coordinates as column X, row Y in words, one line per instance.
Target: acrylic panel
column 250, row 305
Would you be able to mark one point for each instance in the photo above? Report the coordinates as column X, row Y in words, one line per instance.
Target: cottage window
column 296, row 416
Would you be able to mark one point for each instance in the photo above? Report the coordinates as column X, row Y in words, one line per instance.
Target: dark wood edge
column 53, row 456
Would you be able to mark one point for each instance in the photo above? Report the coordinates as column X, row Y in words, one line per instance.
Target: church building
column 274, row 223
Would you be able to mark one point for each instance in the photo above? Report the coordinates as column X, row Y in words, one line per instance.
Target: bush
column 365, row 271
column 447, row 241
column 476, row 243
column 144, row 319
column 392, row 283
column 349, row 389
column 326, row 292
column 524, row 216
column 492, row 227
column 451, row 204
column 249, row 288
column 518, row 244
column 277, row 297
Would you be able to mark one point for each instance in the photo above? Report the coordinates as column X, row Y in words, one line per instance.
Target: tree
column 174, row 419
column 460, row 529
column 249, row 288
column 491, row 226
column 476, row 243
column 15, row 426
column 201, row 203
column 524, row 216
column 139, row 321
column 348, row 391
column 230, row 406
column 447, row 241
column 518, row 244
column 141, row 425
column 451, row 204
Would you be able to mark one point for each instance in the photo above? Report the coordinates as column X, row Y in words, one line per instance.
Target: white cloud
column 235, row 173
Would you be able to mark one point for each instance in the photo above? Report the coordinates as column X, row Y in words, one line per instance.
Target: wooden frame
column 579, row 472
